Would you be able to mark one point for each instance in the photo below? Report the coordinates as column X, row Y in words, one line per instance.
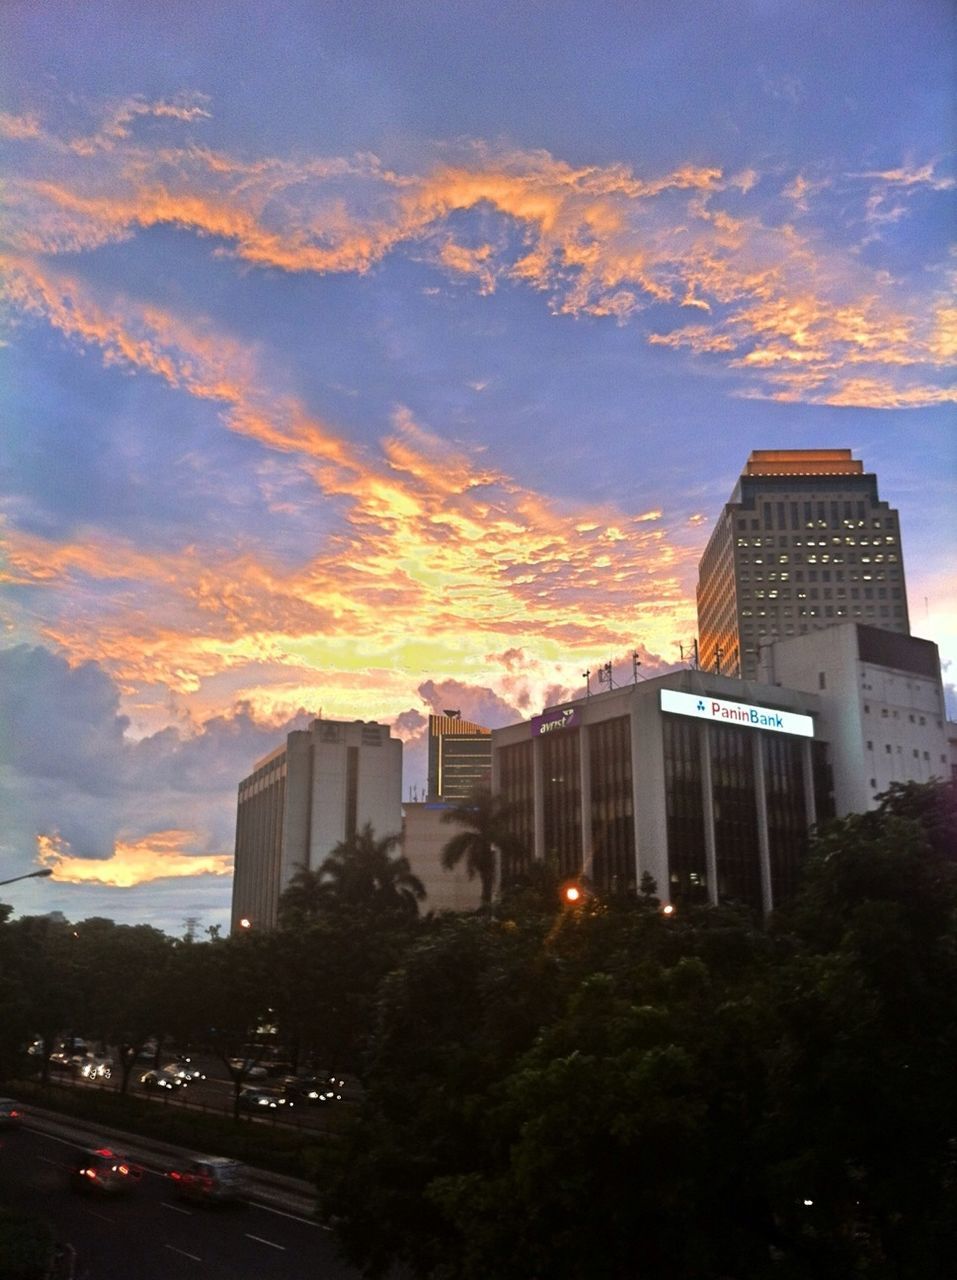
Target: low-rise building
column 882, row 706
column 708, row 784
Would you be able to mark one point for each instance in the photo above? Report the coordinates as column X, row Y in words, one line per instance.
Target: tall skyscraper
column 804, row 543
column 302, row 799
column 460, row 757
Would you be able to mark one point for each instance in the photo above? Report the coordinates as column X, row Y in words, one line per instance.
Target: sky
column 376, row 359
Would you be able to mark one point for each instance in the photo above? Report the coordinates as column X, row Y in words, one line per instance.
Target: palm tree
column 487, row 822
column 361, row 872
column 303, row 899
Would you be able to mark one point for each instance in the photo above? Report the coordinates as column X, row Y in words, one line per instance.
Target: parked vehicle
column 210, row 1179
column 103, row 1170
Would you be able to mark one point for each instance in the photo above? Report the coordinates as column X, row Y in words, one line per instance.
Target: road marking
column 102, row 1216
column 176, row 1208
column 173, row 1249
column 51, row 1137
column 282, row 1213
column 272, row 1244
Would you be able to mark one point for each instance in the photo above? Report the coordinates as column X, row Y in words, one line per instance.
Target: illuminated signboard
column 705, row 707
column 552, row 721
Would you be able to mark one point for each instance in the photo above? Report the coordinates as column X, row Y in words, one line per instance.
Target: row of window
column 835, row 541
column 815, row 515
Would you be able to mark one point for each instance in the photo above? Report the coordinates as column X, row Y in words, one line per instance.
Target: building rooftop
column 802, row 462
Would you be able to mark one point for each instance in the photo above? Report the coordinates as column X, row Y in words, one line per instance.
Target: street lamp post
column 30, row 875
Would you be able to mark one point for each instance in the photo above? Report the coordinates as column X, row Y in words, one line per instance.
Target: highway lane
column 213, row 1094
column 150, row 1235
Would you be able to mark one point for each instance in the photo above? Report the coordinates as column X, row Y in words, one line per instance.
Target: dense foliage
column 595, row 1091
column 612, row 1093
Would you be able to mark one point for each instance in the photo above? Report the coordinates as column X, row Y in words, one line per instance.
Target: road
column 149, row 1235
column 216, row 1094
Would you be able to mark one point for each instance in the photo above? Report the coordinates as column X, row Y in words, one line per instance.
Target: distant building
column 882, row 706
column 302, row 799
column 424, row 835
column 707, row 783
column 804, row 543
column 460, row 757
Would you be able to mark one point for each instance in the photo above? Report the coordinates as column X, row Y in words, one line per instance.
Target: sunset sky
column 390, row 357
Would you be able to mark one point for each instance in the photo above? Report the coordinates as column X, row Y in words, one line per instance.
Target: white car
column 162, row 1080
column 97, row 1068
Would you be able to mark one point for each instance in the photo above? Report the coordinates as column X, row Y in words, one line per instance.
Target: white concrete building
column 302, row 799
column 424, row 836
column 882, row 706
column 708, row 784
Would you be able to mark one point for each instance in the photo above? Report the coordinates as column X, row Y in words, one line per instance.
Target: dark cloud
column 476, row 702
column 68, row 768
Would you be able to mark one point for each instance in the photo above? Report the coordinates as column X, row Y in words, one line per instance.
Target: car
column 97, row 1068
column 262, row 1100
column 103, row 1170
column 213, row 1179
column 314, row 1090
column 162, row 1080
column 11, row 1113
column 184, row 1070
column 251, row 1069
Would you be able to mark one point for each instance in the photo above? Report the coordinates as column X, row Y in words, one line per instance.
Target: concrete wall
column 424, row 837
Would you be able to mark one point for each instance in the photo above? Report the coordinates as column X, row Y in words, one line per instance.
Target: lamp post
column 30, row 875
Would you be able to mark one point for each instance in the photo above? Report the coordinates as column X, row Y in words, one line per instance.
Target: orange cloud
column 432, row 543
column 160, row 856
column 597, row 240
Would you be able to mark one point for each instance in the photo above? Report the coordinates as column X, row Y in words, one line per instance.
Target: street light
column 30, row 875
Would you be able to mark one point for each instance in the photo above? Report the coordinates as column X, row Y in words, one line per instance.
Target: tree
column 359, row 874
column 486, row 819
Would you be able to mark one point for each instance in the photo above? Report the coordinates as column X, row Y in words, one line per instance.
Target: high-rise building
column 804, row 543
column 302, row 799
column 460, row 757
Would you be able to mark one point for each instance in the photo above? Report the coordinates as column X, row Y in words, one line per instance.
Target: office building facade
column 882, row 706
column 305, row 797
column 805, row 543
column 706, row 783
column 460, row 757
column 425, row 833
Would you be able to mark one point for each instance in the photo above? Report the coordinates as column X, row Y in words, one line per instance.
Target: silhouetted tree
column 487, row 833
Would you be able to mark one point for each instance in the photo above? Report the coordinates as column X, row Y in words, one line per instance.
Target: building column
column 584, row 767
column 538, row 797
column 807, row 775
column 707, row 807
column 635, row 808
column 764, row 846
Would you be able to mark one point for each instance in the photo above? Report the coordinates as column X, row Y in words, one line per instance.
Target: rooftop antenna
column 718, row 655
column 605, row 675
column 635, row 664
column 586, row 677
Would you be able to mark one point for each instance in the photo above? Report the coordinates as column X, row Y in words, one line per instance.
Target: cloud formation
column 162, row 855
column 431, row 550
column 595, row 240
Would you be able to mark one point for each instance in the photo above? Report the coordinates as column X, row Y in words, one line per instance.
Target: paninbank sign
column 705, row 707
